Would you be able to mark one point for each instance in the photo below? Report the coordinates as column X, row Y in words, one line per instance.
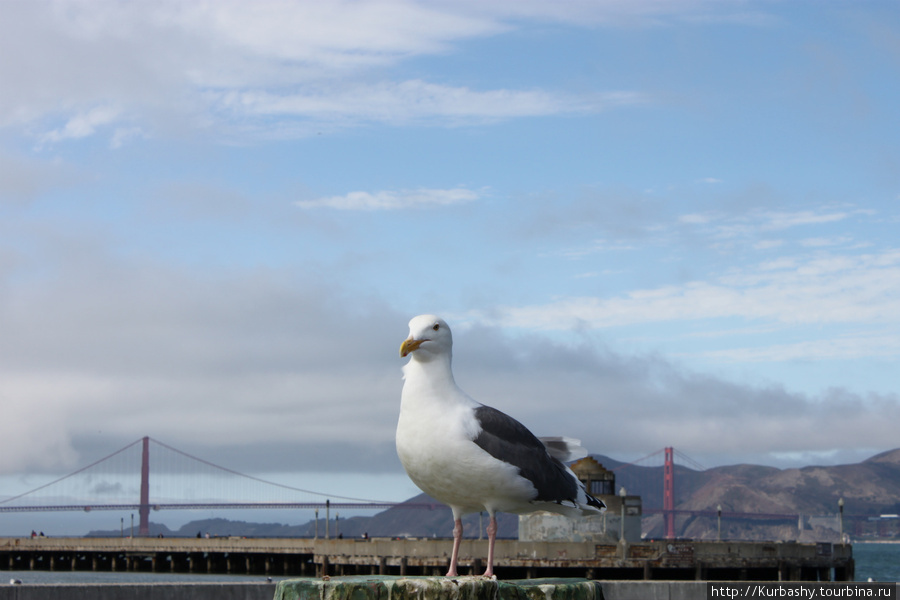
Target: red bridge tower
column 144, row 509
column 669, row 493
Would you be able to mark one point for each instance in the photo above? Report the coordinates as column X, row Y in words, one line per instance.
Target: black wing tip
column 591, row 501
column 596, row 503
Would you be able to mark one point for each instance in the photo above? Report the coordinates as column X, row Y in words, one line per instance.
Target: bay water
column 878, row 560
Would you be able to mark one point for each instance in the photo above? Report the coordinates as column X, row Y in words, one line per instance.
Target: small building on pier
column 606, row 528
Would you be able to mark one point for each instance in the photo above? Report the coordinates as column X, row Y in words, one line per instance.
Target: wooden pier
column 648, row 560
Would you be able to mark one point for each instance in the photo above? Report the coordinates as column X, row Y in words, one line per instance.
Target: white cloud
column 168, row 64
column 760, row 222
column 782, row 262
column 821, row 289
column 38, row 412
column 121, row 135
column 873, row 346
column 84, row 124
column 393, row 200
column 327, row 37
column 756, row 226
column 653, row 403
column 416, row 102
column 785, row 220
column 98, row 350
column 821, row 242
column 617, row 13
column 768, row 244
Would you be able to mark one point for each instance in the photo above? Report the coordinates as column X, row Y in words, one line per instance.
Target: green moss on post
column 382, row 587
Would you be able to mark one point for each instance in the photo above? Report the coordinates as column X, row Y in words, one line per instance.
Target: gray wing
column 506, row 439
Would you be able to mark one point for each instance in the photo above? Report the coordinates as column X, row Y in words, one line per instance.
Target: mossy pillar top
column 381, row 587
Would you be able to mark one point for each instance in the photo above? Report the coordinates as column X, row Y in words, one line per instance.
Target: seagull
column 473, row 457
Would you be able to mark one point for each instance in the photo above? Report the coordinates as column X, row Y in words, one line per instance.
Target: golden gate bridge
column 104, row 485
column 182, row 481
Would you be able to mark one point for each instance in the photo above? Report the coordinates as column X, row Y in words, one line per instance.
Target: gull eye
column 436, row 326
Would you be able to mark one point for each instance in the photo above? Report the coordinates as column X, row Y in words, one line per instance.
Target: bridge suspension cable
column 682, row 457
column 72, row 474
column 118, row 474
column 265, row 481
column 640, row 460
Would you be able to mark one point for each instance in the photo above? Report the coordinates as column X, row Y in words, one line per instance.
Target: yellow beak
column 409, row 345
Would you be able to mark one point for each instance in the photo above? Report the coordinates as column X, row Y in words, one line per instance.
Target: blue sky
column 648, row 223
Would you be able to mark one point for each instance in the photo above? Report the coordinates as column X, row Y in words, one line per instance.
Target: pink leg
column 457, row 538
column 492, row 537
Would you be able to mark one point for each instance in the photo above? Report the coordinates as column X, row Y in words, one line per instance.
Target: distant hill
column 869, row 488
column 434, row 521
column 420, row 516
column 217, row 528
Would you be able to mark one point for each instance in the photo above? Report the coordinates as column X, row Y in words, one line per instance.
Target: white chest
column 435, row 445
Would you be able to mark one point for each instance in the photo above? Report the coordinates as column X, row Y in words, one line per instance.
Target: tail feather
column 564, row 449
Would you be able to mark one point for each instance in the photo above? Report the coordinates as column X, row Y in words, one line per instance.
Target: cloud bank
column 276, row 69
column 298, row 375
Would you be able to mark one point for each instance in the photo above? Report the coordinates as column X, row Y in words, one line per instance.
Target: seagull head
column 429, row 336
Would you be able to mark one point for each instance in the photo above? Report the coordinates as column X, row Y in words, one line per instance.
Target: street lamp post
column 841, row 517
column 317, row 524
column 622, row 541
column 719, row 517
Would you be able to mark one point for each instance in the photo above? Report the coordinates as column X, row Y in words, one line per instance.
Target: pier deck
column 648, row 560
